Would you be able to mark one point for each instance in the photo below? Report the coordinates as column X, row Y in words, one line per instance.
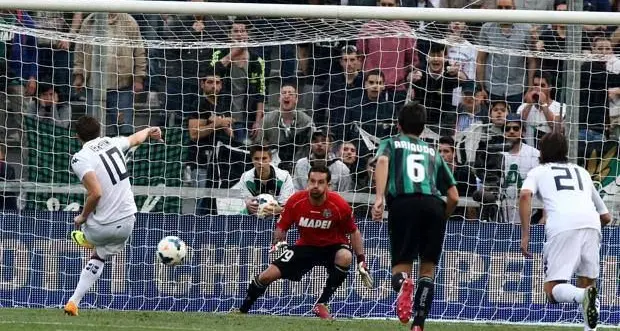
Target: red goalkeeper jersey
column 324, row 225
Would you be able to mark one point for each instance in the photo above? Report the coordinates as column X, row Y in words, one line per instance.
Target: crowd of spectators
column 503, row 103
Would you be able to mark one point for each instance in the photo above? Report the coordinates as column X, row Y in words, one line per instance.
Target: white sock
column 89, row 276
column 568, row 293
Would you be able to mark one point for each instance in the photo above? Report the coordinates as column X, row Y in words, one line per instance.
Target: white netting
column 162, row 69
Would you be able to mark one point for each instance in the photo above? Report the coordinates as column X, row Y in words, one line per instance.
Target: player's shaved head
column 87, row 128
column 553, row 148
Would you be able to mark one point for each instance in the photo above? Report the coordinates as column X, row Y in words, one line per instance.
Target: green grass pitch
column 104, row 320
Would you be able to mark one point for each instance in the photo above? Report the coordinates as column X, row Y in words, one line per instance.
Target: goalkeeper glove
column 362, row 270
column 279, row 246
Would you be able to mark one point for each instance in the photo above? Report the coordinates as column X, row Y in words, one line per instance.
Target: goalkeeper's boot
column 80, row 239
column 590, row 311
column 322, row 311
column 404, row 301
column 71, row 309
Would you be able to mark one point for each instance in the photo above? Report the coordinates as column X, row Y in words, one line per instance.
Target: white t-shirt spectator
column 536, row 120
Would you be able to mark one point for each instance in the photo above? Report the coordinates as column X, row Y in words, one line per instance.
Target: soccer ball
column 171, row 250
column 263, row 201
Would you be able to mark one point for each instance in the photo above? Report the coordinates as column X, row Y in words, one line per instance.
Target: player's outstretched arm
column 525, row 211
column 141, row 136
column 452, row 199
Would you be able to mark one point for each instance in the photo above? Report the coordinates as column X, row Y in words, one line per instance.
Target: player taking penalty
column 414, row 177
column 325, row 222
column 108, row 216
column 575, row 215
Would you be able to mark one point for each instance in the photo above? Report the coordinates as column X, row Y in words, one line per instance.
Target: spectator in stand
column 473, row 108
column 320, row 153
column 211, row 122
column 8, row 200
column 244, row 82
column 553, row 39
column 288, row 129
column 183, row 65
column 518, row 161
column 124, row 67
column 371, row 117
column 465, row 178
column 463, row 175
column 331, row 101
column 264, row 178
column 19, row 72
column 433, row 88
column 394, row 56
column 53, row 56
column 469, row 4
column 48, row 107
column 462, row 55
column 596, row 81
column 504, row 76
column 534, row 4
column 347, row 152
column 540, row 113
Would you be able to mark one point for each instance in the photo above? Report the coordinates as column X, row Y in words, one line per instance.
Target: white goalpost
column 157, row 71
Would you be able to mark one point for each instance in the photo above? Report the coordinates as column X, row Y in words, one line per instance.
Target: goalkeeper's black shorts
column 417, row 226
column 296, row 261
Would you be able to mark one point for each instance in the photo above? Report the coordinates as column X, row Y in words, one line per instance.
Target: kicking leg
column 561, row 291
column 403, row 285
column 423, row 295
column 258, row 286
column 90, row 274
column 337, row 274
column 585, row 282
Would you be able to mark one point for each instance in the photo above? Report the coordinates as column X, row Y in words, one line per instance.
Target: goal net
column 308, row 90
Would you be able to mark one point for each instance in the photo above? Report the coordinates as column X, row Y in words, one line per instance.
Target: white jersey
column 568, row 195
column 105, row 157
column 279, row 185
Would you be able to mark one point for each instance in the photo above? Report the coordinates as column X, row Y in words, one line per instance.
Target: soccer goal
column 175, row 64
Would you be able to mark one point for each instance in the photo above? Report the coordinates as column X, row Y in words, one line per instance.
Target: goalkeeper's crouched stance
column 325, row 222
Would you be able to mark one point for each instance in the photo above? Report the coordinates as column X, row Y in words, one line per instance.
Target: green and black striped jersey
column 414, row 167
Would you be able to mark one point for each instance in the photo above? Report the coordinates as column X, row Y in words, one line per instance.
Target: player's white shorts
column 109, row 239
column 572, row 252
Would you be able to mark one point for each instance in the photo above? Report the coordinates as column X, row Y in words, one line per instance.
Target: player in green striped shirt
column 416, row 177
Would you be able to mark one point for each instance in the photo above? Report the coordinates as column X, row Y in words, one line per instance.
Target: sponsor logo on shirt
column 315, row 224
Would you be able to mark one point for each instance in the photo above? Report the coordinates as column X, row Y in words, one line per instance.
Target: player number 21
column 415, row 169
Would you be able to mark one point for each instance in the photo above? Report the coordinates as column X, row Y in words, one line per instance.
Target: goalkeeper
column 324, row 220
column 264, row 178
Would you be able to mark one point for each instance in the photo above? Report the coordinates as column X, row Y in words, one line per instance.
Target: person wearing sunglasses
column 518, row 161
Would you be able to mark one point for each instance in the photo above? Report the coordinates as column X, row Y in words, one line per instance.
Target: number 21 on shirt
column 415, row 169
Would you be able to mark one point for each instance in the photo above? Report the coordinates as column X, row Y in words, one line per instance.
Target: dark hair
column 241, row 21
column 259, row 148
column 553, row 148
column 289, row 83
column 546, row 76
column 373, row 72
column 503, row 102
column 44, row 87
column 349, row 49
column 412, row 118
column 322, row 168
column 216, row 70
column 87, row 128
column 437, row 48
column 447, row 140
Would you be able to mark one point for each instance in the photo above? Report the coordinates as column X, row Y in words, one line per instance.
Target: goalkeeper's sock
column 255, row 290
column 423, row 300
column 568, row 293
column 397, row 281
column 336, row 277
column 91, row 272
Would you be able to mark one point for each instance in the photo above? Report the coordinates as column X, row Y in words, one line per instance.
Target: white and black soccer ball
column 171, row 250
column 264, row 200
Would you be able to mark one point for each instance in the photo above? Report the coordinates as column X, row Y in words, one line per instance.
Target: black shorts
column 417, row 226
column 296, row 261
